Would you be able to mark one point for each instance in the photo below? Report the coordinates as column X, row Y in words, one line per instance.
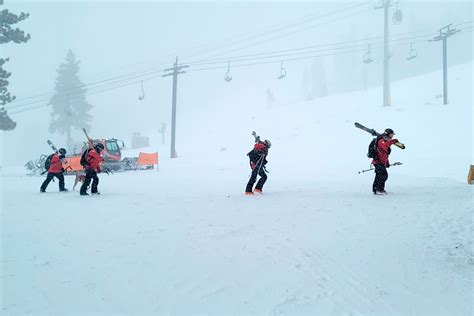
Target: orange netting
column 73, row 164
column 145, row 159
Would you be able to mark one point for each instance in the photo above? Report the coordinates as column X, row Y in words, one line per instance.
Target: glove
column 62, row 170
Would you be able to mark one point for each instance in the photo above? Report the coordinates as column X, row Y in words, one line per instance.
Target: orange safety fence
column 145, row 159
column 73, row 164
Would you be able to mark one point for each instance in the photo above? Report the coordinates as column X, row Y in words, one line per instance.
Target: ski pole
column 391, row 165
column 258, row 162
column 261, row 163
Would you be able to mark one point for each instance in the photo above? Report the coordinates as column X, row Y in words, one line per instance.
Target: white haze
column 117, row 38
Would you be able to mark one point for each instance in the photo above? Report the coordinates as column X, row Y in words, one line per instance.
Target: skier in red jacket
column 92, row 166
column 381, row 163
column 258, row 161
column 55, row 170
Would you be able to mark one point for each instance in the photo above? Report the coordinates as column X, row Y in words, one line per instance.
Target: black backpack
column 47, row 162
column 372, row 152
column 83, row 161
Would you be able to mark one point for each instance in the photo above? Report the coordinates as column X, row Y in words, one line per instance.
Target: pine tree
column 6, row 123
column 70, row 107
column 15, row 35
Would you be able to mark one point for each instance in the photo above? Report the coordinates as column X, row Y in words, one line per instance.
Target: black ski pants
column 91, row 175
column 50, row 177
column 263, row 177
column 381, row 176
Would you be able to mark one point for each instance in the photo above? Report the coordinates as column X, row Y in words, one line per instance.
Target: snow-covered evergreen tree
column 70, row 107
column 15, row 35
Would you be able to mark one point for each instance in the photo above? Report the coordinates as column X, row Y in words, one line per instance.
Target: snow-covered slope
column 186, row 240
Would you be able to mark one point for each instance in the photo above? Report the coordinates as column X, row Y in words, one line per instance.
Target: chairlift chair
column 412, row 53
column 282, row 71
column 142, row 96
column 397, row 15
column 227, row 76
column 367, row 58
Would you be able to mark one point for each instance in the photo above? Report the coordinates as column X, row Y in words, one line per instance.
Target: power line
column 270, row 54
column 239, row 65
column 75, row 90
column 117, row 79
column 287, row 34
column 302, row 48
column 313, row 56
column 88, row 93
column 305, row 19
column 309, row 18
column 300, row 58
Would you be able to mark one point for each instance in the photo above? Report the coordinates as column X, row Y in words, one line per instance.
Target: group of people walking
column 91, row 161
column 258, row 160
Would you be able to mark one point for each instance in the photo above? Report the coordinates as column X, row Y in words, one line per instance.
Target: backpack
column 83, row 161
column 47, row 162
column 372, row 152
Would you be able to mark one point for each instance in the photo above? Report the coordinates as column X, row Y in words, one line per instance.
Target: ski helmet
column 268, row 143
column 389, row 131
column 99, row 146
column 62, row 151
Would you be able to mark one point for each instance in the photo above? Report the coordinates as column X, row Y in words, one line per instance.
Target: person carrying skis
column 92, row 162
column 380, row 162
column 55, row 170
column 258, row 161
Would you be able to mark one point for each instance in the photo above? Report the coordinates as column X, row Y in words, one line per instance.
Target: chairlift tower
column 387, row 99
column 176, row 70
column 444, row 34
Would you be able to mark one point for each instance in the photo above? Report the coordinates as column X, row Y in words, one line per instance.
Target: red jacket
column 94, row 160
column 260, row 147
column 383, row 151
column 259, row 151
column 56, row 165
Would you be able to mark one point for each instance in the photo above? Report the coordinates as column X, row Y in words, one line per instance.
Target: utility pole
column 69, row 114
column 176, row 70
column 387, row 99
column 444, row 34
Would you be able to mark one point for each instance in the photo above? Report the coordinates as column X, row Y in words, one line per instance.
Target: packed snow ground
column 185, row 240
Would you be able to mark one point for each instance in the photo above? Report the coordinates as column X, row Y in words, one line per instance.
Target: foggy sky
column 115, row 38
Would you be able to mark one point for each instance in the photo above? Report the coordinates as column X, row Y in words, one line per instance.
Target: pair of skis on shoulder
column 374, row 133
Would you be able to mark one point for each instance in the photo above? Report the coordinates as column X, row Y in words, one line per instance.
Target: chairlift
column 282, row 71
column 412, row 53
column 367, row 58
column 397, row 15
column 142, row 96
column 227, row 76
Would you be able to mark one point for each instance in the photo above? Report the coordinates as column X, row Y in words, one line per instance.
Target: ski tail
column 368, row 130
column 89, row 140
column 50, row 143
